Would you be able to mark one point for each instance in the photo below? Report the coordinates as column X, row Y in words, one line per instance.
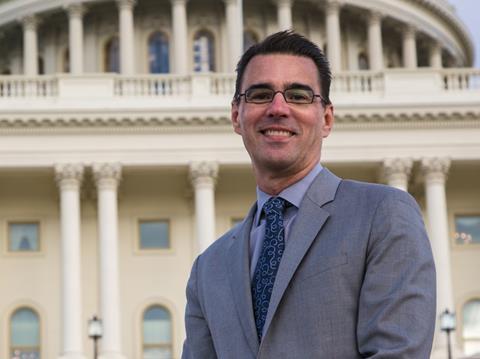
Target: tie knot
column 274, row 205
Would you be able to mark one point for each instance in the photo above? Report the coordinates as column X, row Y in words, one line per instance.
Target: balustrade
column 385, row 83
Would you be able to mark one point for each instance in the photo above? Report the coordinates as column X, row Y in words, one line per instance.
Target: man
column 321, row 267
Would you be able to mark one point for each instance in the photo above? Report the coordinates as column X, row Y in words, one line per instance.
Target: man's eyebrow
column 297, row 85
column 261, row 85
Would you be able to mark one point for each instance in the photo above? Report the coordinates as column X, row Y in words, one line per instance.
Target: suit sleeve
column 396, row 316
column 198, row 343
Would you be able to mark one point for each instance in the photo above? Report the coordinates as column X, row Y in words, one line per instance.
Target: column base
column 111, row 355
column 73, row 356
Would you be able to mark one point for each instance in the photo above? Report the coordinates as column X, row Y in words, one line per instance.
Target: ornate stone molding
column 435, row 169
column 126, row 4
column 203, row 173
column 76, row 10
column 30, row 22
column 397, row 170
column 69, row 175
column 107, row 175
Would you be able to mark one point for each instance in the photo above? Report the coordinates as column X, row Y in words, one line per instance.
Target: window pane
column 157, row 327
column 203, row 52
column 25, row 331
column 471, row 320
column 157, row 353
column 25, row 354
column 158, row 53
column 23, row 237
column 249, row 39
column 112, row 55
column 154, row 235
column 467, row 229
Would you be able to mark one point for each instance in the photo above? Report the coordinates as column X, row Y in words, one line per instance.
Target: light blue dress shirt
column 293, row 194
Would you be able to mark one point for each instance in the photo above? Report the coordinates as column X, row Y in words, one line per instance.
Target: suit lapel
column 239, row 275
column 309, row 220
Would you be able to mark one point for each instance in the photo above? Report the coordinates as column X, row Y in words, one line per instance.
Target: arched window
column 41, row 66
column 158, row 53
column 471, row 327
column 249, row 39
column 157, row 333
column 66, row 61
column 24, row 334
column 112, row 58
column 203, row 52
column 362, row 61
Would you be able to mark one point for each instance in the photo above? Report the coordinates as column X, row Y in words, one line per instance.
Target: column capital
column 435, row 169
column 409, row 29
column 284, row 2
column 201, row 172
column 29, row 22
column 333, row 6
column 69, row 175
column 126, row 4
column 227, row 2
column 75, row 10
column 107, row 175
column 375, row 16
column 397, row 166
column 178, row 2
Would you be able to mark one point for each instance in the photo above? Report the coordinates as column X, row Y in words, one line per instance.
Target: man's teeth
column 278, row 133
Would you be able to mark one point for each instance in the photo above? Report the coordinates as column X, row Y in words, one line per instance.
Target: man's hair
column 289, row 43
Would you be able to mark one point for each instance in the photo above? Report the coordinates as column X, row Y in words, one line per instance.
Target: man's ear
column 235, row 117
column 328, row 120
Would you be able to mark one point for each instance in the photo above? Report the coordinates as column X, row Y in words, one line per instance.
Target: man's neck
column 273, row 182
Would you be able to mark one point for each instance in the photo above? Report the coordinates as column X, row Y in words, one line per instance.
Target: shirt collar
column 293, row 194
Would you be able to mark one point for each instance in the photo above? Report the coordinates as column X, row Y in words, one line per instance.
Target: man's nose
column 278, row 106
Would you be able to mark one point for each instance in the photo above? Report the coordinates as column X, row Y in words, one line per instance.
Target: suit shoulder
column 375, row 192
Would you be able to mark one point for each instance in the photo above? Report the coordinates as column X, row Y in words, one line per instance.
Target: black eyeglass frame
column 274, row 93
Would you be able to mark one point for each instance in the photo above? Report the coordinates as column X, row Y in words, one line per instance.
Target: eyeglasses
column 261, row 95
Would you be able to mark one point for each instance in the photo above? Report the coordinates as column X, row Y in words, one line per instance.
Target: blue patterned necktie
column 269, row 260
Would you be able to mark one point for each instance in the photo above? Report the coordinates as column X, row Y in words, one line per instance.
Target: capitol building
column 119, row 165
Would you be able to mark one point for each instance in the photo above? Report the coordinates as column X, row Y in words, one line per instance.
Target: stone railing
column 360, row 84
column 152, row 85
column 28, row 87
column 461, row 79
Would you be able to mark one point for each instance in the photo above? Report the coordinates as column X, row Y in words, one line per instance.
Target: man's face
column 281, row 137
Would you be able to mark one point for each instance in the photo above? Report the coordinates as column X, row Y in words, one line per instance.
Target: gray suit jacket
column 356, row 280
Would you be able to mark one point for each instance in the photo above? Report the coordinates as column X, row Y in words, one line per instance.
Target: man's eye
column 298, row 95
column 259, row 94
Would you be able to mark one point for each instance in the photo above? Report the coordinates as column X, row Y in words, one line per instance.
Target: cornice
column 221, row 122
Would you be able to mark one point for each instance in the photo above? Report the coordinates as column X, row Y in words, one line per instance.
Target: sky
column 469, row 12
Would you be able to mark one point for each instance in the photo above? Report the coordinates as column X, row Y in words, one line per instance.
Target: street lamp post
column 95, row 332
column 447, row 325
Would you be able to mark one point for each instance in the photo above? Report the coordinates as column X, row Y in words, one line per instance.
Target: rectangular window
column 154, row 234
column 467, row 229
column 23, row 237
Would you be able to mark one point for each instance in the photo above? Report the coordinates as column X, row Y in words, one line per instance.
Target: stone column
column 435, row 173
column 180, row 38
column 233, row 13
column 203, row 176
column 30, row 46
column 107, row 177
column 375, row 46
column 409, row 47
column 69, row 177
column 436, row 55
column 284, row 14
column 127, row 49
column 334, row 51
column 75, row 21
column 396, row 172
